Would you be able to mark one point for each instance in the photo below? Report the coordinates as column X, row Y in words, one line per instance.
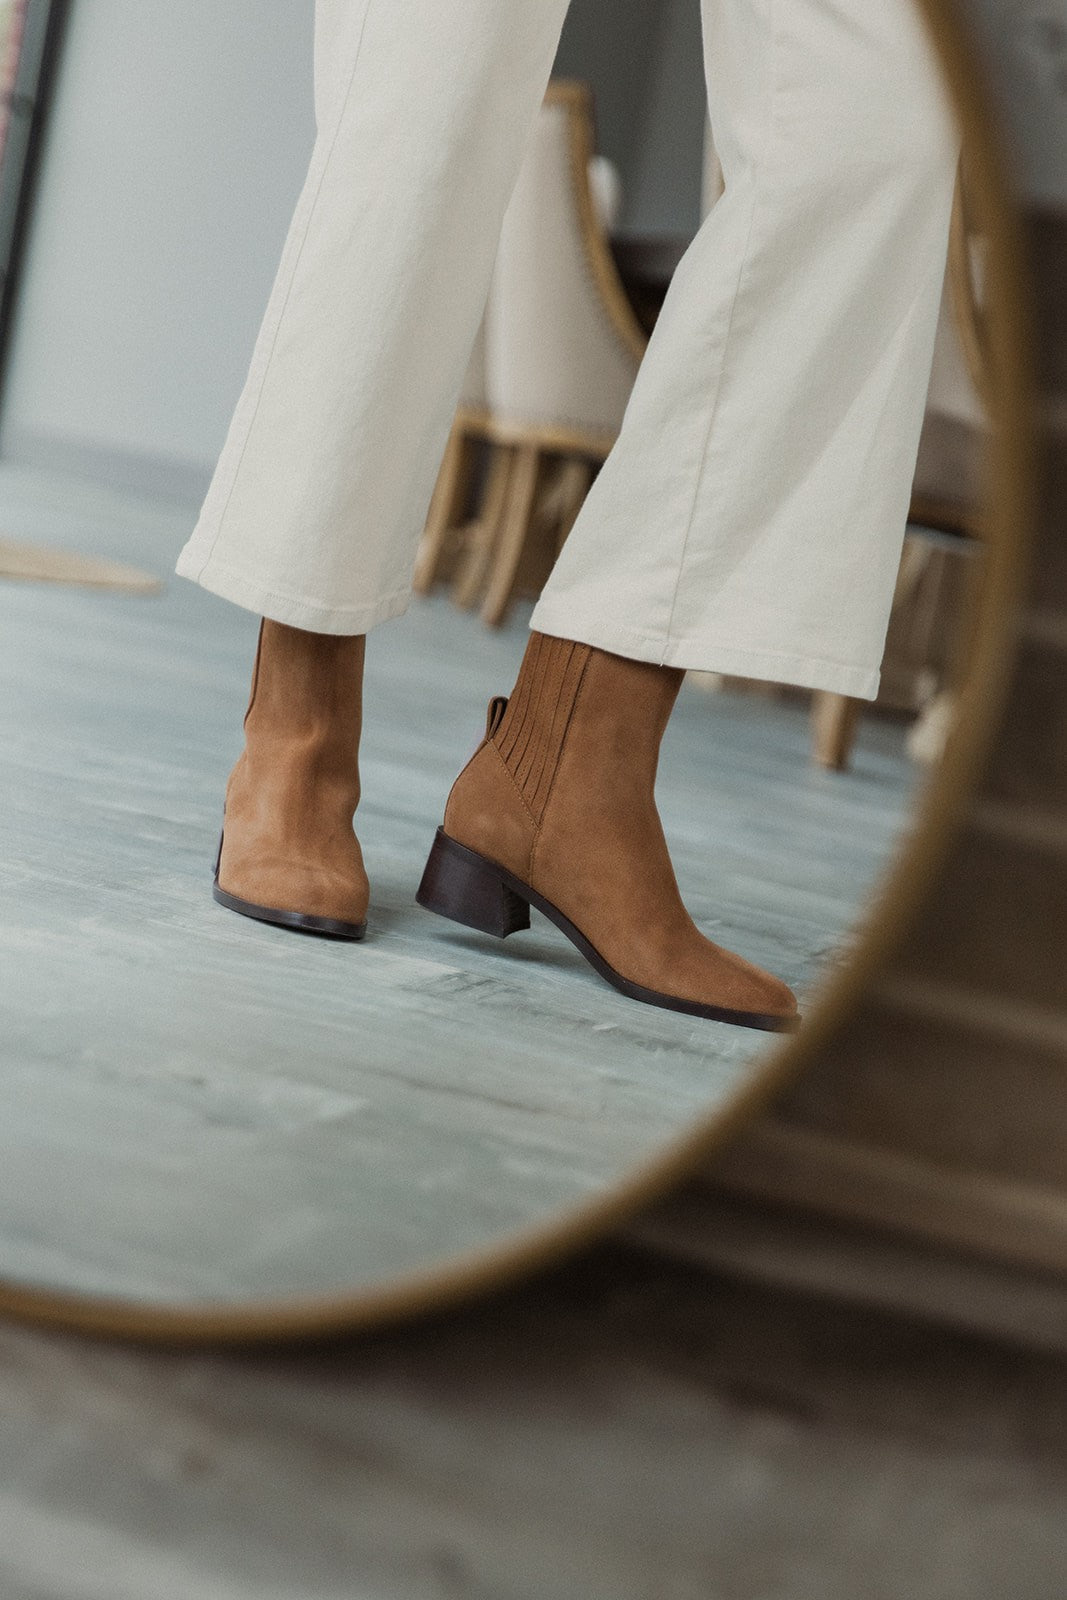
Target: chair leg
column 522, row 494
column 450, row 493
column 576, row 478
column 834, row 720
column 562, row 486
column 480, row 536
column 835, row 717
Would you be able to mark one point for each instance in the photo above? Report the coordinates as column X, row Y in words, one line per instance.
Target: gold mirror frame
column 1006, row 348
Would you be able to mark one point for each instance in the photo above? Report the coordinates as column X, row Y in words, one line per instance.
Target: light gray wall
column 178, row 142
column 643, row 59
column 666, row 167
column 1028, row 44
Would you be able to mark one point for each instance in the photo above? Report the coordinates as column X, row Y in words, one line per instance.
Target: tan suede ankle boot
column 556, row 810
column 288, row 853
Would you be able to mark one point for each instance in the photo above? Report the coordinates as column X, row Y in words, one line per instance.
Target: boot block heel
column 462, row 885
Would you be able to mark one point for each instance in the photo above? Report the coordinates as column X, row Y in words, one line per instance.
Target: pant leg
column 321, row 490
column 751, row 516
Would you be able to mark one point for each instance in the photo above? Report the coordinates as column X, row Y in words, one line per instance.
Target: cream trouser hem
column 750, row 517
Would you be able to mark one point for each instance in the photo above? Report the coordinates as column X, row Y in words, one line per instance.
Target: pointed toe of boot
column 736, row 989
column 704, row 980
column 775, row 1002
column 309, row 898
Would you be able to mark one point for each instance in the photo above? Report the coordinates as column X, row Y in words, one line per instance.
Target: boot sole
column 470, row 889
column 298, row 921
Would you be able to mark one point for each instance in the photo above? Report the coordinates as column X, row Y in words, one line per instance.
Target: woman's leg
column 751, row 515
column 320, row 493
column 321, row 490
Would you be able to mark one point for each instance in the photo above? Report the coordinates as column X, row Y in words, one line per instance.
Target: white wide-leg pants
column 750, row 517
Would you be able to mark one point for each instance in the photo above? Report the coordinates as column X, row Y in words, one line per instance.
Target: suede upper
column 562, row 794
column 288, row 840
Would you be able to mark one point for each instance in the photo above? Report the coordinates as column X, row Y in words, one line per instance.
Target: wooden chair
column 544, row 397
column 445, row 536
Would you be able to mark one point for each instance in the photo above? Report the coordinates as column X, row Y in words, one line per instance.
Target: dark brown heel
column 462, row 885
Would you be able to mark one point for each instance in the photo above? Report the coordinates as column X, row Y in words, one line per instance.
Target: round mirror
column 212, row 1125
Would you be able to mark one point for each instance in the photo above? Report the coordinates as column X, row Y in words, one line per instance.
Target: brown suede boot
column 288, row 853
column 556, row 810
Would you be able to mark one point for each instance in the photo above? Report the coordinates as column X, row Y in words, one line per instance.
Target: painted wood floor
column 623, row 1431
column 196, row 1107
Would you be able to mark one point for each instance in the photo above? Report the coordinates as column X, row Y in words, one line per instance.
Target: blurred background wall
column 644, row 60
column 175, row 148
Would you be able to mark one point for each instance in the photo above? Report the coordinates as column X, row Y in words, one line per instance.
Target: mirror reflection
column 581, row 495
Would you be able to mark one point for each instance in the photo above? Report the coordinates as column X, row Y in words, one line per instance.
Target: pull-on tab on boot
column 497, row 706
column 255, row 672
